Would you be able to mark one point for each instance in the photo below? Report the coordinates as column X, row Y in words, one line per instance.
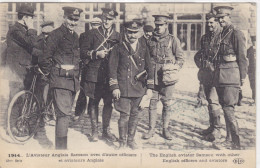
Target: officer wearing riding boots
column 127, row 63
column 95, row 47
column 230, row 73
column 167, row 58
column 205, row 59
column 61, row 59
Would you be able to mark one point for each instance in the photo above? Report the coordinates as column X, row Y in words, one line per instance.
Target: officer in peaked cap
column 95, row 49
column 127, row 59
column 61, row 60
column 165, row 51
column 230, row 74
column 95, row 22
column 71, row 12
column 109, row 13
column 204, row 60
column 161, row 19
column 223, row 11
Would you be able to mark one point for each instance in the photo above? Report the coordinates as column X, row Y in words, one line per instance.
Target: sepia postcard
column 128, row 84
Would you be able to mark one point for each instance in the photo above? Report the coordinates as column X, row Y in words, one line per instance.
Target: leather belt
column 65, row 66
column 163, row 61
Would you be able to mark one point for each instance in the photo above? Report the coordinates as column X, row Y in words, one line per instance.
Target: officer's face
column 70, row 23
column 148, row 34
column 224, row 21
column 161, row 28
column 107, row 23
column 131, row 36
column 212, row 24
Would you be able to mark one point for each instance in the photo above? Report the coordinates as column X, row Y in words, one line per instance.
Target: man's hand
column 102, row 53
column 116, row 94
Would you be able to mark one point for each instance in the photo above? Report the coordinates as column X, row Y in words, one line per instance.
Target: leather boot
column 228, row 133
column 166, row 119
column 122, row 129
column 152, row 122
column 211, row 127
column 94, row 120
column 132, row 125
column 106, row 117
column 215, row 134
column 61, row 142
column 235, row 135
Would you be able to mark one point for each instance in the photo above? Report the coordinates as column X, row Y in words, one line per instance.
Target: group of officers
column 122, row 68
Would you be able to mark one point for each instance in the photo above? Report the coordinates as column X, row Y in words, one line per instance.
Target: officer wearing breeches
column 61, row 60
column 129, row 65
column 231, row 70
column 204, row 60
column 95, row 47
column 167, row 58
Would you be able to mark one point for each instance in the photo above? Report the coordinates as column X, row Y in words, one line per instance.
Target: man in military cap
column 95, row 22
column 167, row 58
column 20, row 47
column 95, row 47
column 230, row 73
column 61, row 58
column 204, row 60
column 127, row 60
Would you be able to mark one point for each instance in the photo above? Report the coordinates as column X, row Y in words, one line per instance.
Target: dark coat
column 96, row 69
column 62, row 47
column 20, row 47
column 209, row 48
column 230, row 73
column 122, row 70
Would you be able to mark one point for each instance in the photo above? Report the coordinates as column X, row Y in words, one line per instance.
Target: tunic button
column 128, row 76
column 129, row 70
column 140, row 64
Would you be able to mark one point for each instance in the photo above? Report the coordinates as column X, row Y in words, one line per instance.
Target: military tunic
column 164, row 49
column 62, row 48
column 122, row 70
column 96, row 69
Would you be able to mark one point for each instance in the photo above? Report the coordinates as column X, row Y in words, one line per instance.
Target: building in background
column 187, row 19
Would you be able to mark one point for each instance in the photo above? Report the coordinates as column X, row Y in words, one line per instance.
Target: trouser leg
column 133, row 122
column 93, row 112
column 123, row 129
column 63, row 100
column 61, row 131
column 166, row 116
column 81, row 104
column 152, row 118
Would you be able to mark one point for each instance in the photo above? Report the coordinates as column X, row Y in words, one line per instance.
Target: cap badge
column 134, row 25
column 111, row 13
column 76, row 12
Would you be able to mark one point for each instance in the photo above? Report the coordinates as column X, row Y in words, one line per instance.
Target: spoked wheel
column 23, row 116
